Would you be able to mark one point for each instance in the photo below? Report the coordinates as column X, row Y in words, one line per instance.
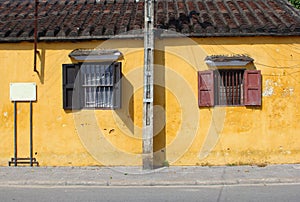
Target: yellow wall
column 185, row 134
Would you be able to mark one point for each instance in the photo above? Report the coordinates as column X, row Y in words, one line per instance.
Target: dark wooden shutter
column 117, row 85
column 206, row 88
column 252, row 88
column 71, row 95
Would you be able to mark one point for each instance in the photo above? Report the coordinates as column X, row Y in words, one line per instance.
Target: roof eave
column 140, row 36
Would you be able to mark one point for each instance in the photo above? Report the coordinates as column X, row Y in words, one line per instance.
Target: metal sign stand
column 15, row 160
column 16, row 95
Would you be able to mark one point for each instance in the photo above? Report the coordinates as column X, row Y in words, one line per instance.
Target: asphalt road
column 265, row 193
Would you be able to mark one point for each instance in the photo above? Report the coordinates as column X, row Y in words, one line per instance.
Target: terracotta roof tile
column 84, row 19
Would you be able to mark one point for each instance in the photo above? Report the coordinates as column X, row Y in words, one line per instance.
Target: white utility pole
column 148, row 85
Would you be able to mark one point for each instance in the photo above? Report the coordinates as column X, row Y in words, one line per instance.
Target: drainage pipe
column 35, row 35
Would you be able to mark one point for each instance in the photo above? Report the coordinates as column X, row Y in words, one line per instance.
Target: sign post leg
column 31, row 149
column 15, row 134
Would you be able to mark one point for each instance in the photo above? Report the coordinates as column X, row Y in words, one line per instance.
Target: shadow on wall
column 41, row 70
column 126, row 112
column 159, row 116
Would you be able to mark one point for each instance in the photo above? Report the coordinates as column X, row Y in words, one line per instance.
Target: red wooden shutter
column 252, row 88
column 206, row 88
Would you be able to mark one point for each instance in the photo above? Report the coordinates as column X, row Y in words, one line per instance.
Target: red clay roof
column 96, row 19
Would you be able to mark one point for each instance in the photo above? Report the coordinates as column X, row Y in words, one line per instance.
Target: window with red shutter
column 229, row 87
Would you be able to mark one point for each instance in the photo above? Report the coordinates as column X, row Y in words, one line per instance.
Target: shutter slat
column 252, row 88
column 206, row 88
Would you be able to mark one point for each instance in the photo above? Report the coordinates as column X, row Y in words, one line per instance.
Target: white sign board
column 23, row 91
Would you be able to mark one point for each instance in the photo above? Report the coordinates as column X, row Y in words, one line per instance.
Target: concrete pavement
column 135, row 176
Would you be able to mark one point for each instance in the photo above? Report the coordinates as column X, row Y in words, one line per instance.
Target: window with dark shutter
column 98, row 85
column 229, row 87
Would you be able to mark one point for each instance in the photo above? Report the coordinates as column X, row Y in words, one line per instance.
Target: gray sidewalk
column 135, row 176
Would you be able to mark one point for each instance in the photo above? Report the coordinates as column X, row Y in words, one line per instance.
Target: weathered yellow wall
column 192, row 136
column 248, row 135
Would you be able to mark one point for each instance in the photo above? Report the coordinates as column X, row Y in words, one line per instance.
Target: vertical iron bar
column 85, row 89
column 218, row 89
column 226, row 88
column 232, row 87
column 102, row 85
column 236, row 88
column 31, row 145
column 222, row 89
column 109, row 88
column 241, row 90
column 105, row 89
column 94, row 84
column 15, row 134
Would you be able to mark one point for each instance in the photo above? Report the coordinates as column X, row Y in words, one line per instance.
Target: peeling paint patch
column 5, row 114
column 269, row 89
column 288, row 92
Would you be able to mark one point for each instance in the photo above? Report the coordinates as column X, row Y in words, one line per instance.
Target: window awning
column 223, row 60
column 100, row 55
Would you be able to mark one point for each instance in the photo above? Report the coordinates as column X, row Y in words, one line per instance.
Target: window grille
column 229, row 87
column 98, row 85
